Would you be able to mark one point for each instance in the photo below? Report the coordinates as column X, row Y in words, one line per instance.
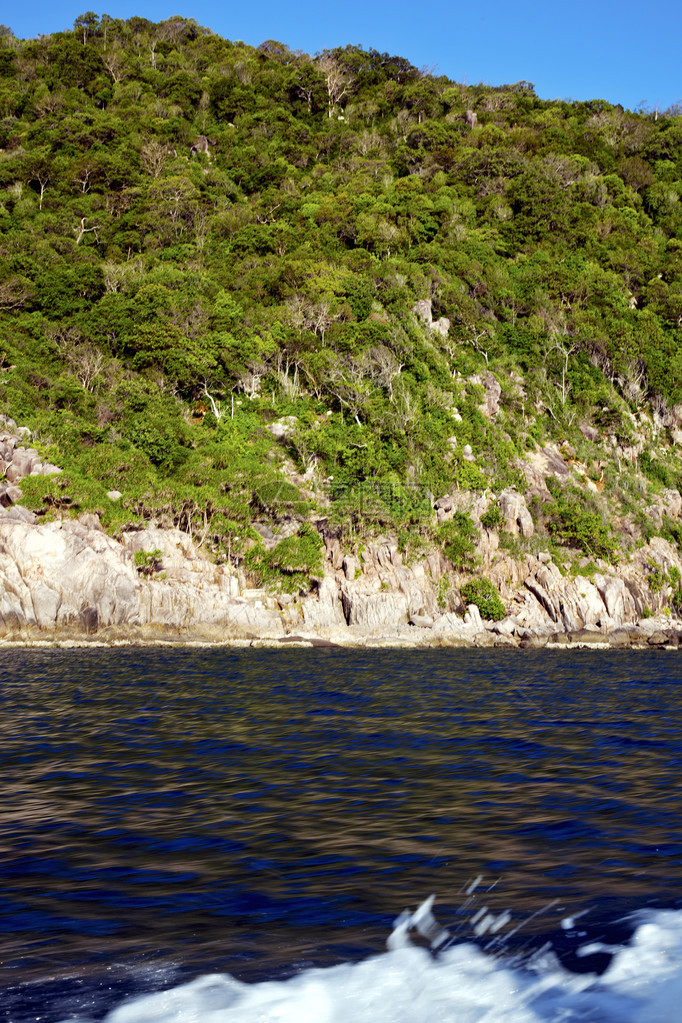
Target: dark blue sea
column 214, row 835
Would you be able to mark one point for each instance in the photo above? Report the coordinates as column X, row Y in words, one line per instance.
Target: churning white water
column 460, row 984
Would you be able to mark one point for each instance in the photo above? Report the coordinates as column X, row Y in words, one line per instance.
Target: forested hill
column 240, row 284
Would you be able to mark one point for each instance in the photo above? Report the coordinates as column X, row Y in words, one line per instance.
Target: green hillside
column 247, row 285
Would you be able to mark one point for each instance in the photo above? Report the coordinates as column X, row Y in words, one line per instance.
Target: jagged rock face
column 70, row 574
column 23, row 461
column 581, row 605
column 572, row 604
column 384, row 593
column 441, row 326
column 617, row 598
column 445, row 508
column 589, row 432
column 422, row 309
column 543, row 591
column 548, row 461
column 200, row 145
column 473, row 504
column 669, row 503
column 375, row 610
column 473, row 618
column 378, row 592
column 18, row 461
column 49, row 574
column 326, row 609
column 55, row 575
column 517, row 518
column 175, row 546
column 493, row 390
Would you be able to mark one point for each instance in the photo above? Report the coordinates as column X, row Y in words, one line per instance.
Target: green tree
column 483, row 594
column 86, row 25
column 456, row 539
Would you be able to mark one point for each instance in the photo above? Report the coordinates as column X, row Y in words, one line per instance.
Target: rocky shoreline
column 136, row 636
column 66, row 582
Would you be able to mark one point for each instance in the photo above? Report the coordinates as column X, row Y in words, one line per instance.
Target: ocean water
column 208, row 836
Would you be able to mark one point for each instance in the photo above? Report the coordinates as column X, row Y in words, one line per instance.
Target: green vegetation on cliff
column 244, row 284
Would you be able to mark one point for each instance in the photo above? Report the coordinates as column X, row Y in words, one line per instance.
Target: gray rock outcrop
column 71, row 577
column 18, row 461
column 59, row 575
column 422, row 309
column 517, row 519
column 493, row 390
column 65, row 577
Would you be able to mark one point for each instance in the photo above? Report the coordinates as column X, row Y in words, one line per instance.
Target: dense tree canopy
column 199, row 237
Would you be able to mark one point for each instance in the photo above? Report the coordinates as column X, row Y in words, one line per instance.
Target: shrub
column 276, row 497
column 587, row 570
column 572, row 520
column 443, row 593
column 291, row 563
column 492, row 518
column 671, row 530
column 657, row 471
column 469, row 477
column 299, row 553
column 384, row 503
column 657, row 578
column 148, row 562
column 456, row 540
column 483, row 594
column 412, row 544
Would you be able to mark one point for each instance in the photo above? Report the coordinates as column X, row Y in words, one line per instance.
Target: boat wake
column 447, row 981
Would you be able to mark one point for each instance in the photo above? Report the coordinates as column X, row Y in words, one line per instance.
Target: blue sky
column 619, row 51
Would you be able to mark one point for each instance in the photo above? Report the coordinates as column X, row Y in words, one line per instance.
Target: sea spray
column 460, row 984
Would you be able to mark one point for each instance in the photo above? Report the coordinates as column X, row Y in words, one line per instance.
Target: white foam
column 460, row 985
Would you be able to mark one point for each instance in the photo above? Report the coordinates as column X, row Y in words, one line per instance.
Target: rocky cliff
column 67, row 579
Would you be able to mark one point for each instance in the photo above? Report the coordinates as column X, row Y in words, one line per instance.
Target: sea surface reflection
column 259, row 811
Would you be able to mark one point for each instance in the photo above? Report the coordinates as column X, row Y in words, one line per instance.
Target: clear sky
column 618, row 50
